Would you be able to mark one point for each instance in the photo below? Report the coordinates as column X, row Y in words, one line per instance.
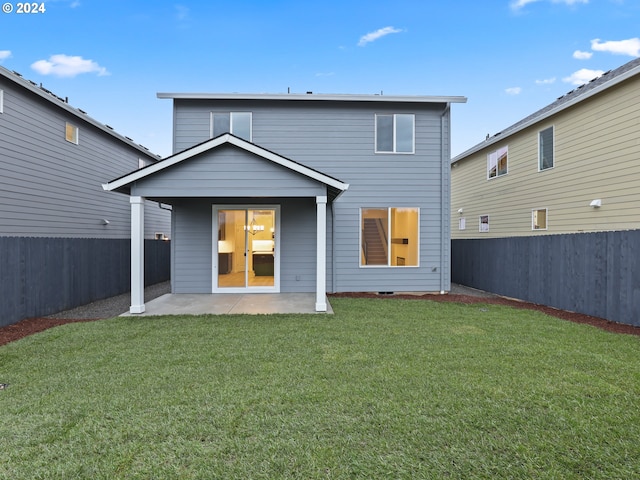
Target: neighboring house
column 63, row 240
column 520, row 197
column 303, row 193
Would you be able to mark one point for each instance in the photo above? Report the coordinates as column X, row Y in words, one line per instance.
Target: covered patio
column 231, row 303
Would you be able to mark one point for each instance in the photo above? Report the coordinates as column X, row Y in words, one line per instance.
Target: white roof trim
column 543, row 116
column 315, row 97
column 222, row 139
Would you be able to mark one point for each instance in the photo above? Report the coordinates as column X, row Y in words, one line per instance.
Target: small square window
column 483, row 223
column 71, row 133
column 539, row 219
column 462, row 224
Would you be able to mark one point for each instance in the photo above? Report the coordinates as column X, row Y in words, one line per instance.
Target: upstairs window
column 395, row 133
column 497, row 162
column 545, row 149
column 237, row 123
column 1, row 101
column 71, row 133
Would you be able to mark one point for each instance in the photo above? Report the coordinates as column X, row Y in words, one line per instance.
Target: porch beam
column 137, row 255
column 321, row 254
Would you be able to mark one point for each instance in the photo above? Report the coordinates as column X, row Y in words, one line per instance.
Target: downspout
column 445, row 224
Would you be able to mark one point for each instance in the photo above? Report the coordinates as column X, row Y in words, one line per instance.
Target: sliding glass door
column 247, row 249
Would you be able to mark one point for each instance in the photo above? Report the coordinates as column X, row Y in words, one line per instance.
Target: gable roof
column 579, row 94
column 62, row 103
column 335, row 187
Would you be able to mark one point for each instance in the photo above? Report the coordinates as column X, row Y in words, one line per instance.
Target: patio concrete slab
column 230, row 303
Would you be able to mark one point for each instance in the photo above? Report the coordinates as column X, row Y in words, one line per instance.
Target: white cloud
column 4, row 54
column 580, row 55
column 546, row 81
column 629, row 47
column 518, row 4
column 373, row 36
column 325, row 74
column 582, row 76
column 67, row 66
column 513, row 91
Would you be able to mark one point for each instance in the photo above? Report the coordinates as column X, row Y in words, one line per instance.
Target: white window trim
column 546, row 221
column 1, row 101
column 480, row 224
column 388, row 265
column 394, row 152
column 211, row 124
column 553, row 137
column 488, row 169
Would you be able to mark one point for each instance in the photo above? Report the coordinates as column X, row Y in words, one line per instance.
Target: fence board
column 593, row 273
column 42, row 276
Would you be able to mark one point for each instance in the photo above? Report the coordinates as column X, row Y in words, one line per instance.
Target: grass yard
column 382, row 389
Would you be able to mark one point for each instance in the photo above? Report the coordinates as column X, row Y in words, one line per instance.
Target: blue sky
column 508, row 57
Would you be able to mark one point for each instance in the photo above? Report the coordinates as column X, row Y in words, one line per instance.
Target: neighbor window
column 395, row 133
column 389, row 237
column 484, row 223
column 539, row 219
column 545, row 149
column 1, row 101
column 497, row 162
column 462, row 223
column 71, row 133
column 237, row 123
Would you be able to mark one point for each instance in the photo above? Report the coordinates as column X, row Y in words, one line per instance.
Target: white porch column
column 137, row 255
column 321, row 254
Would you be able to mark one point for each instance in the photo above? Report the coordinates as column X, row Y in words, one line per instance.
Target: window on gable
column 71, row 133
column 539, row 219
column 497, row 162
column 237, row 123
column 395, row 133
column 545, row 149
column 389, row 237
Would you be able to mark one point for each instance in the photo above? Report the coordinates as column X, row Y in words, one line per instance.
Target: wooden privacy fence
column 596, row 274
column 41, row 276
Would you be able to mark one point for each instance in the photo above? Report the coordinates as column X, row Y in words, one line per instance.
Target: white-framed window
column 497, row 163
column 389, row 237
column 237, row 123
column 462, row 223
column 71, row 133
column 483, row 223
column 395, row 133
column 546, row 152
column 539, row 219
column 1, row 101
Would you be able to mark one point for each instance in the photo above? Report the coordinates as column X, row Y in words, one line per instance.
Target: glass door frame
column 276, row 253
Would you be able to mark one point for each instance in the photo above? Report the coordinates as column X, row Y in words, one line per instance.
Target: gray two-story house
column 302, row 193
column 64, row 241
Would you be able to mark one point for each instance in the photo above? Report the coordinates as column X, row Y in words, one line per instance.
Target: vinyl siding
column 338, row 139
column 52, row 188
column 596, row 156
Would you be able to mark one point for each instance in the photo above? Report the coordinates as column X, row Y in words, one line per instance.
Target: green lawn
column 382, row 389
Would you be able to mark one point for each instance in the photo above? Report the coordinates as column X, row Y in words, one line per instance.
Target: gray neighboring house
column 64, row 241
column 301, row 193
